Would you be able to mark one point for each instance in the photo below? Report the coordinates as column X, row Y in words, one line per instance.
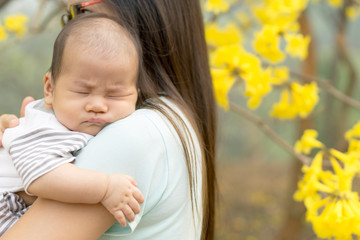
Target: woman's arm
column 132, row 146
column 27, row 199
column 47, row 219
column 70, row 184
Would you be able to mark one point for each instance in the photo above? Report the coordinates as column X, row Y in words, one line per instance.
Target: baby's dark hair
column 96, row 33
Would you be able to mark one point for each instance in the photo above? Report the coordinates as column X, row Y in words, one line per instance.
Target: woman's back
column 146, row 146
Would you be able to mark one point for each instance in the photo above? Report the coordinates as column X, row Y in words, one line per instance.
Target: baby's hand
column 122, row 198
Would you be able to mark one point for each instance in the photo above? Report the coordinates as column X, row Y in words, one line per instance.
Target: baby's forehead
column 113, row 84
column 102, row 36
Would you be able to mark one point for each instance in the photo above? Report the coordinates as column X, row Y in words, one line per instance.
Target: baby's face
column 93, row 91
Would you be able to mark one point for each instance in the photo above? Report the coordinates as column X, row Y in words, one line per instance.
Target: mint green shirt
column 146, row 147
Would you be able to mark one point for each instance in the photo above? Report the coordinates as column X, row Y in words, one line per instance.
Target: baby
column 92, row 83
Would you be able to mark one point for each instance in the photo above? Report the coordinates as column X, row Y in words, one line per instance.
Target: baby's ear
column 48, row 88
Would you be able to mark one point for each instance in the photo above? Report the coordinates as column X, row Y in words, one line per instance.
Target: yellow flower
column 227, row 56
column 340, row 217
column 353, row 133
column 335, row 3
column 354, row 147
column 231, row 60
column 217, row 6
column 301, row 102
column 216, row 36
column 257, row 85
column 267, row 44
column 352, row 12
column 225, row 63
column 249, row 64
column 307, row 142
column 243, row 19
column 223, row 82
column 332, row 206
column 345, row 158
column 283, row 109
column 295, row 27
column 281, row 75
column 254, row 102
column 297, row 5
column 308, row 187
column 345, row 175
column 297, row 45
column 280, row 13
column 349, row 160
column 337, row 220
column 335, row 213
column 3, row 34
column 313, row 204
column 16, row 24
column 305, row 98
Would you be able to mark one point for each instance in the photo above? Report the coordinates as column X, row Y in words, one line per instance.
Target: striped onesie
column 38, row 145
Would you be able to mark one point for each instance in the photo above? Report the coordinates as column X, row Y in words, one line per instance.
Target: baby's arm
column 68, row 183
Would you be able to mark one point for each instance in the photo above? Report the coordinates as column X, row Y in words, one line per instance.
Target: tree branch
column 330, row 89
column 3, row 3
column 269, row 132
column 38, row 26
column 38, row 14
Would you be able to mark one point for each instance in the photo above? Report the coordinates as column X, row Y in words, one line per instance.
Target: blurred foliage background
column 256, row 176
column 25, row 60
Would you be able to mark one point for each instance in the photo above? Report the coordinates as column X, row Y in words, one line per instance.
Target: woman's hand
column 10, row 120
column 6, row 121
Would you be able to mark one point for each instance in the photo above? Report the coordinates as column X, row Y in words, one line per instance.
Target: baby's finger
column 129, row 214
column 135, row 206
column 7, row 121
column 120, row 217
column 138, row 195
column 132, row 180
column 25, row 102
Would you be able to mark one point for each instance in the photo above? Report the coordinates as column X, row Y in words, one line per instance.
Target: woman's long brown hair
column 176, row 64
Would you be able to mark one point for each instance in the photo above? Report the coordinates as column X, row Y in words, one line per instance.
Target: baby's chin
column 91, row 130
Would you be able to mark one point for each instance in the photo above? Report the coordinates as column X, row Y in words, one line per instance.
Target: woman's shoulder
column 129, row 147
column 142, row 125
column 141, row 118
column 145, row 123
column 145, row 134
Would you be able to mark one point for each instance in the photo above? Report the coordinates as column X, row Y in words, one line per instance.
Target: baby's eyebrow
column 115, row 88
column 84, row 83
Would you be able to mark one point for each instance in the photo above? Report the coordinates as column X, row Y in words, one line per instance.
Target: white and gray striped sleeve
column 40, row 151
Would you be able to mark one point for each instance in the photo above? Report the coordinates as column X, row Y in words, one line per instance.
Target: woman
column 172, row 135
